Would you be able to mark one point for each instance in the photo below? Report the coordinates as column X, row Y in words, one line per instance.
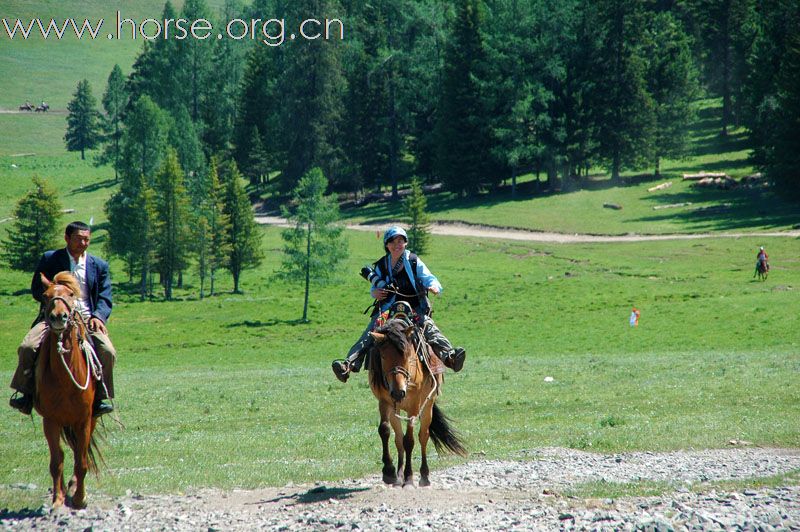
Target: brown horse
column 762, row 270
column 65, row 388
column 402, row 380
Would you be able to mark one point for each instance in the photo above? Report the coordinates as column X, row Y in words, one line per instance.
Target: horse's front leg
column 408, row 447
column 52, row 432
column 397, row 427
column 83, row 437
column 384, row 430
column 424, row 434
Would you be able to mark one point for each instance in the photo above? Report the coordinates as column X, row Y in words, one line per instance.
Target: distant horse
column 27, row 106
column 405, row 375
column 42, row 108
column 762, row 270
column 65, row 386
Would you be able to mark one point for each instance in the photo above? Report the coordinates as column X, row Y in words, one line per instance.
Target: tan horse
column 65, row 388
column 403, row 381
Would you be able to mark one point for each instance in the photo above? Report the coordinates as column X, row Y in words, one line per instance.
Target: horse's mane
column 68, row 280
column 395, row 331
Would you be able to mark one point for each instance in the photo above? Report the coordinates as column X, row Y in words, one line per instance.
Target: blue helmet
column 392, row 232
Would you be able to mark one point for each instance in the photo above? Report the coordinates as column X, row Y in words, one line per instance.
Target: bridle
column 71, row 307
column 92, row 362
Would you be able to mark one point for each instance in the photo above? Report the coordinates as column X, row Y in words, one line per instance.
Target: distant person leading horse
column 94, row 281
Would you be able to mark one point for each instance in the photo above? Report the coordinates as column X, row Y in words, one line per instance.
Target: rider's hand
column 96, row 324
column 380, row 294
column 434, row 290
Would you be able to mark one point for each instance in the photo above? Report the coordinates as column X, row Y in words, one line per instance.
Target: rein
column 412, row 420
column 92, row 362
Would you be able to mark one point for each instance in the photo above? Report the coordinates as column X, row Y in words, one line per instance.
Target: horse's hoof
column 409, row 484
column 424, row 482
column 389, row 479
column 78, row 504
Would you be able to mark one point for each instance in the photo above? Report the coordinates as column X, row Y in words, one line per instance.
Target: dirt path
column 531, row 492
column 483, row 231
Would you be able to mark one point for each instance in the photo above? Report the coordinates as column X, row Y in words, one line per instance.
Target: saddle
column 403, row 311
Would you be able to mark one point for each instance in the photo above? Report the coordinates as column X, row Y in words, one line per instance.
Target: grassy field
column 235, row 391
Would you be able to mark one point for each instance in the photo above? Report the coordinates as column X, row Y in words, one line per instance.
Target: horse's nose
column 59, row 317
column 398, row 395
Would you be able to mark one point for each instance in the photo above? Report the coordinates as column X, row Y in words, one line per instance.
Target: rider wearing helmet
column 762, row 257
column 396, row 277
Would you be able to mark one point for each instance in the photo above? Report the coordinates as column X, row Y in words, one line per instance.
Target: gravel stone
column 482, row 495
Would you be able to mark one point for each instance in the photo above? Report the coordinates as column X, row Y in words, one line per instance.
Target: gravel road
column 483, row 231
column 530, row 493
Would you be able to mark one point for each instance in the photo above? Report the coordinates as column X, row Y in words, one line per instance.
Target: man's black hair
column 76, row 226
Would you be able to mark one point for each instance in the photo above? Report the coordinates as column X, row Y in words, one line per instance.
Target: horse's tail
column 444, row 437
column 93, row 452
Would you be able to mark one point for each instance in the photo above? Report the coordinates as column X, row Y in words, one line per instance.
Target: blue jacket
column 420, row 276
column 97, row 279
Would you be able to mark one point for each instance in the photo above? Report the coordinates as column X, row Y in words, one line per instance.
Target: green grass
column 610, row 490
column 232, row 391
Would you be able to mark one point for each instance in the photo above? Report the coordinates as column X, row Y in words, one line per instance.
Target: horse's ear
column 378, row 337
column 409, row 331
column 45, row 281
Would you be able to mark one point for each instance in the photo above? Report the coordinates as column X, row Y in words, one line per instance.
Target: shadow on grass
column 317, row 494
column 269, row 323
column 108, row 183
column 721, row 210
column 23, row 292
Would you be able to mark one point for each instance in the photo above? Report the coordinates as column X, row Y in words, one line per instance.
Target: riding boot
column 354, row 360
column 454, row 359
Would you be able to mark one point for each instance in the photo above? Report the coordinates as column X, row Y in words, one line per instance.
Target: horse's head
column 397, row 356
column 59, row 300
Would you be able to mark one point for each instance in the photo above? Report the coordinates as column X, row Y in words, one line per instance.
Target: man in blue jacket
column 95, row 307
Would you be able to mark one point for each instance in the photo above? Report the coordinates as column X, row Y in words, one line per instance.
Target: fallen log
column 662, row 186
column 701, row 175
column 614, row 206
column 672, row 205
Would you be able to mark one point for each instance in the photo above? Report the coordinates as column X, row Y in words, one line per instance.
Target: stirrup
column 455, row 360
column 22, row 402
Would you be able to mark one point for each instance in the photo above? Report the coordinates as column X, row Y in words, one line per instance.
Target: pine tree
column 154, row 70
column 772, row 106
column 218, row 103
column 184, row 138
column 145, row 139
column 132, row 219
column 83, row 120
column 726, row 29
column 115, row 100
column 35, row 230
column 243, row 238
column 312, row 90
column 463, row 135
column 315, row 246
column 672, row 82
column 259, row 107
column 419, row 222
column 172, row 232
column 624, row 108
column 210, row 230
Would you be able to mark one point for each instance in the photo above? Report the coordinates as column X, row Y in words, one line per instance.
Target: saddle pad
column 435, row 363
